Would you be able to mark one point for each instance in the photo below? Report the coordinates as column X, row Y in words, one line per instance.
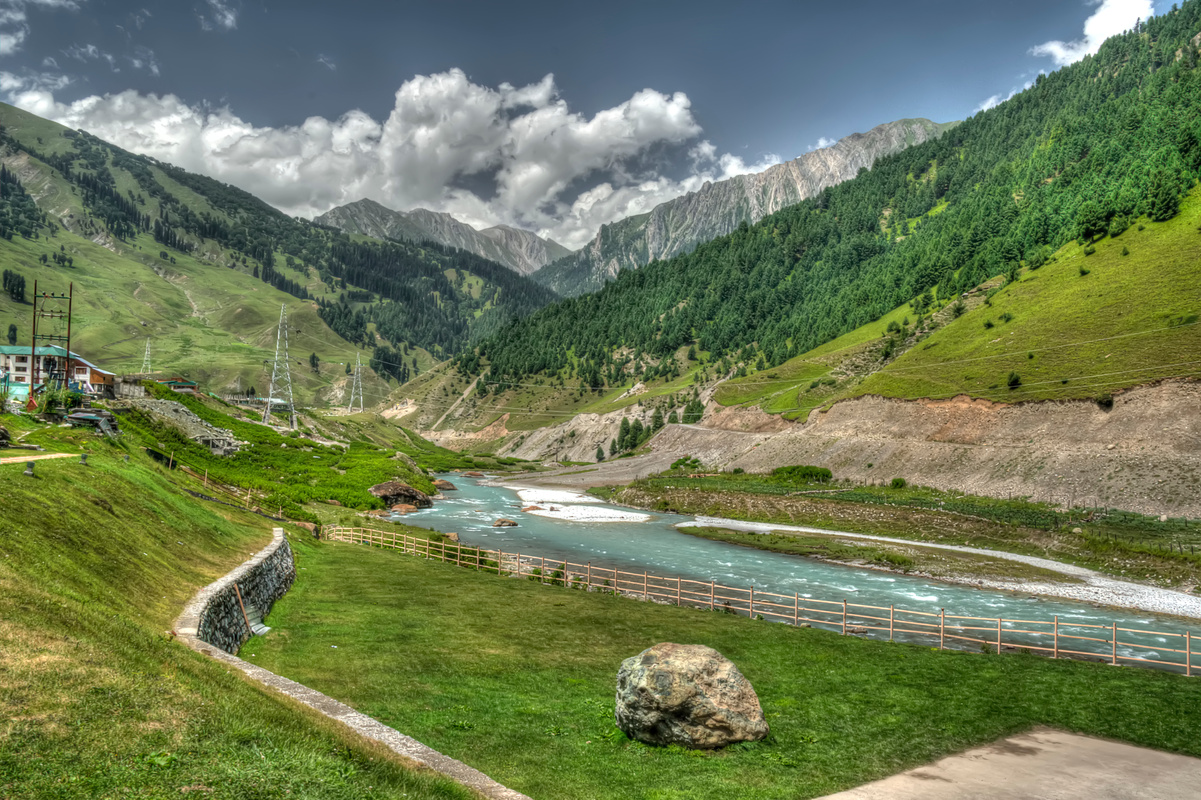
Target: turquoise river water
column 656, row 546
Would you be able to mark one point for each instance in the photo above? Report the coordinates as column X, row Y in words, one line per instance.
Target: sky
column 539, row 115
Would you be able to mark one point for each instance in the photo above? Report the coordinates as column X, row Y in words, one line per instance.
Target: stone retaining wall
column 214, row 615
column 214, row 612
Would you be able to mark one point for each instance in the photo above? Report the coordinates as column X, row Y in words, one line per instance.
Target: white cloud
column 219, row 15
column 1111, row 18
column 326, row 61
column 822, row 143
column 14, row 26
column 997, row 99
column 90, row 52
column 144, row 58
column 442, row 128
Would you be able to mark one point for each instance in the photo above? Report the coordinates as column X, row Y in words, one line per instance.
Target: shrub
column 801, row 473
column 739, row 470
column 1015, row 380
column 1088, row 251
column 988, row 323
column 1084, row 271
column 1007, row 317
column 899, row 483
column 1125, row 251
column 1105, row 401
column 958, row 309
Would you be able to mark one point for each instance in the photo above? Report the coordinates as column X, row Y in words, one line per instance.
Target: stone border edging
column 186, row 628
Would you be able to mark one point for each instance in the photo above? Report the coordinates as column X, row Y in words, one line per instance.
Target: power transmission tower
column 49, row 306
column 356, row 388
column 281, row 373
column 146, row 358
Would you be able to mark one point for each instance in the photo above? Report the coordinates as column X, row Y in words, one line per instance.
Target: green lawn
column 518, row 680
column 98, row 700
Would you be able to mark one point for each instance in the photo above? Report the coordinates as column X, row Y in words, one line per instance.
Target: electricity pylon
column 356, row 388
column 281, row 374
column 146, row 358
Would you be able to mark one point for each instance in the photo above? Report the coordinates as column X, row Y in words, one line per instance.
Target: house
column 181, row 385
column 52, row 363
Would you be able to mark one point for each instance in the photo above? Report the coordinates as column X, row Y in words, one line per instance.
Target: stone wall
column 214, row 615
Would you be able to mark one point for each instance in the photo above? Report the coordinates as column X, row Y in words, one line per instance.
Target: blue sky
column 551, row 116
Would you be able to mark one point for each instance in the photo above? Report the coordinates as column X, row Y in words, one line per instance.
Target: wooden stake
column 710, row 595
column 1188, row 654
column 206, row 479
column 1115, row 644
column 677, row 590
column 844, row 617
column 645, row 596
column 1055, row 650
column 942, row 627
column 238, row 592
column 891, row 621
column 589, row 574
column 750, row 609
column 998, row 636
column 796, row 608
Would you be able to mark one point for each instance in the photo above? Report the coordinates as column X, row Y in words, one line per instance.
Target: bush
column 899, row 483
column 1007, row 317
column 1125, row 251
column 1015, row 380
column 1088, row 251
column 988, row 323
column 958, row 309
column 803, row 474
column 1084, row 271
column 739, row 470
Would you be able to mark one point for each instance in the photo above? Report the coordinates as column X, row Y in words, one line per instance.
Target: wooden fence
column 1053, row 637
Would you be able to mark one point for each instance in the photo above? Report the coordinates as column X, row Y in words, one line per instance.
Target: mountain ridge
column 519, row 250
column 717, row 208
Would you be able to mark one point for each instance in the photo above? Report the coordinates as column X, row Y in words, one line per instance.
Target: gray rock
column 395, row 492
column 687, row 694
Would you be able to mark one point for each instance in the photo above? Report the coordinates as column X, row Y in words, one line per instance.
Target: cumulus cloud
column 218, row 15
column 14, row 25
column 1111, row 18
column 443, row 128
column 822, row 143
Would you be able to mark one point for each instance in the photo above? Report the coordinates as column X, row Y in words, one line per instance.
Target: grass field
column 1081, row 326
column 518, row 680
column 98, row 701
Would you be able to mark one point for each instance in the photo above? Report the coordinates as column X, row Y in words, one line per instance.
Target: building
column 180, row 385
column 52, row 363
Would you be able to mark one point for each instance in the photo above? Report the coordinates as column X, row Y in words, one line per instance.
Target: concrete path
column 1094, row 588
column 36, row 457
column 1045, row 764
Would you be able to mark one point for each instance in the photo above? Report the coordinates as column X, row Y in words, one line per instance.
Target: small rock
column 1110, row 446
column 504, row 523
column 445, row 486
column 454, row 537
column 532, row 508
column 690, row 695
column 1163, row 517
column 333, row 502
column 857, row 629
column 473, row 474
column 403, row 508
column 1077, row 530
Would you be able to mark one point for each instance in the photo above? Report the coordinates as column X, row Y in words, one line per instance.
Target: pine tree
column 600, row 454
column 657, row 419
column 12, row 333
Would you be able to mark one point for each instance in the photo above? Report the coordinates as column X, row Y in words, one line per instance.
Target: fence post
column 542, row 577
column 1188, row 654
column 1055, row 651
column 590, row 575
column 711, row 595
column 677, row 591
column 1115, row 644
column 206, row 479
column 844, row 617
column 750, row 608
column 998, row 635
column 796, row 609
column 891, row 618
column 645, row 596
column 500, row 560
column 942, row 627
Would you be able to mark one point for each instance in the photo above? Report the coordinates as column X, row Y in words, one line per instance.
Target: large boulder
column 445, row 485
column 687, row 694
column 395, row 492
column 4, row 440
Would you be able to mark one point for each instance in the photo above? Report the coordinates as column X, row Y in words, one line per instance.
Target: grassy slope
column 97, row 561
column 1058, row 315
column 517, row 680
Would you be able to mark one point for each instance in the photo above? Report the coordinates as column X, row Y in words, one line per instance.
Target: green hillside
column 99, row 701
column 1078, row 326
column 202, row 268
column 1087, row 150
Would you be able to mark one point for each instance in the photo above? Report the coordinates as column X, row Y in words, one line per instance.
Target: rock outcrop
column 520, row 251
column 686, row 694
column 4, row 437
column 719, row 208
column 504, row 523
column 394, row 493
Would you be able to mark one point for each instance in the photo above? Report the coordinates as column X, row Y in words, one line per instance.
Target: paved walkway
column 1045, row 764
column 36, row 457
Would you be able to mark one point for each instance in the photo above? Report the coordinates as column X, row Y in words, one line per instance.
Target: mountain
column 201, row 269
column 718, row 208
column 1104, row 149
column 518, row 250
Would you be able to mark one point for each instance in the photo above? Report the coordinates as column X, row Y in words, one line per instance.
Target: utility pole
column 281, row 373
column 146, row 358
column 357, row 386
column 49, row 306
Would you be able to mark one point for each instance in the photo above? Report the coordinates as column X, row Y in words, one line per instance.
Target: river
column 656, row 546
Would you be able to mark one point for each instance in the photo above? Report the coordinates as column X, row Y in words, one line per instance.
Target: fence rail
column 1053, row 637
